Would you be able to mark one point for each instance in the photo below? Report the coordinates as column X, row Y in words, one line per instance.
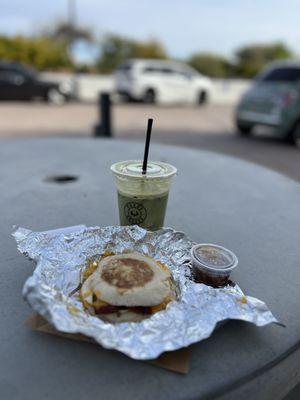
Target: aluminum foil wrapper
column 61, row 255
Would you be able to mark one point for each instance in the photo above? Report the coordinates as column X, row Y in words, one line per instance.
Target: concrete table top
column 215, row 198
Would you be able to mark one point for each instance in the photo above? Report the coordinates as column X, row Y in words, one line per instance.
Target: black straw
column 147, row 145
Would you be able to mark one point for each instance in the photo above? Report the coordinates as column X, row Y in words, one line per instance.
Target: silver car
column 273, row 100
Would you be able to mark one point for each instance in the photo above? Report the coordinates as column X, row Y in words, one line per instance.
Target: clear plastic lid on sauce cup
column 212, row 264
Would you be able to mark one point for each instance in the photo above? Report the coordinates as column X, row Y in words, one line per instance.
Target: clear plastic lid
column 134, row 168
column 214, row 257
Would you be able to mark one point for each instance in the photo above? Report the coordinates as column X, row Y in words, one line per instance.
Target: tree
column 116, row 49
column 251, row 59
column 39, row 52
column 69, row 33
column 149, row 49
column 211, row 65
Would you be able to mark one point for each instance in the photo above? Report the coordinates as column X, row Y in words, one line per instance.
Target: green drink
column 143, row 198
column 148, row 212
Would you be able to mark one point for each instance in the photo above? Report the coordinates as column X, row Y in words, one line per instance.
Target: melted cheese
column 161, row 306
column 93, row 263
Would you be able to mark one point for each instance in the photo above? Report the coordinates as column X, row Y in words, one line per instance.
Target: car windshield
column 32, row 73
column 26, row 71
column 287, row 74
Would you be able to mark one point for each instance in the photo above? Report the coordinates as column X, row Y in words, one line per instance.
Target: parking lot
column 19, row 119
column 210, row 127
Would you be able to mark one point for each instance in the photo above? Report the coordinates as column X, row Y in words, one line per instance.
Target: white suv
column 157, row 81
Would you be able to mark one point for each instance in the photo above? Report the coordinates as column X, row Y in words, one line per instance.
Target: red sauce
column 210, row 280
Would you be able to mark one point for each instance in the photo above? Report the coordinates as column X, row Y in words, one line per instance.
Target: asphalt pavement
column 210, row 127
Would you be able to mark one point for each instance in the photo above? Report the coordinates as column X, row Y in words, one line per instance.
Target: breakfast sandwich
column 127, row 287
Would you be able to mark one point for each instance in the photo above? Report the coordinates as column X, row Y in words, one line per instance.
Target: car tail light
column 289, row 98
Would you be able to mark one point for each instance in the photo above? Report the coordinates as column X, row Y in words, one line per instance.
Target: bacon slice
column 107, row 309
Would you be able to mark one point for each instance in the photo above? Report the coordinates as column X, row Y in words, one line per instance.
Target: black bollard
column 104, row 127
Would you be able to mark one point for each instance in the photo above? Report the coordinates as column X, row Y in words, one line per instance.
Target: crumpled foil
column 60, row 258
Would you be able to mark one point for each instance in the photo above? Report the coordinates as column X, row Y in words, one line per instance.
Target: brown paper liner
column 176, row 361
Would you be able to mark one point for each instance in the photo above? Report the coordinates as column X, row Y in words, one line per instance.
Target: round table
column 215, row 198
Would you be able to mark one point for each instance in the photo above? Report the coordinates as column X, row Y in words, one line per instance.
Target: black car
column 21, row 83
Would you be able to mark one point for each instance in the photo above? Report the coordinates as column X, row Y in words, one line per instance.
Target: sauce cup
column 212, row 264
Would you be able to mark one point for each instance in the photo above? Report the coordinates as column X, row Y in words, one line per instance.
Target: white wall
column 225, row 91
column 228, row 91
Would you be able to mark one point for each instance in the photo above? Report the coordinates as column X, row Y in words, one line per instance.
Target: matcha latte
column 143, row 198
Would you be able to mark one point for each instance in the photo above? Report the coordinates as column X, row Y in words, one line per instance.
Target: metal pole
column 72, row 24
column 72, row 12
column 104, row 127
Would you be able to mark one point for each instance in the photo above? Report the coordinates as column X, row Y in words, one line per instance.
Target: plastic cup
column 212, row 264
column 143, row 198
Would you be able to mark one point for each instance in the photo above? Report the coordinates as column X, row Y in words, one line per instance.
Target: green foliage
column 85, row 69
column 115, row 49
column 249, row 60
column 69, row 33
column 252, row 59
column 149, row 49
column 51, row 51
column 41, row 52
column 211, row 65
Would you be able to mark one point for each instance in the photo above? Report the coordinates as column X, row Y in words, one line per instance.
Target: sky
column 183, row 26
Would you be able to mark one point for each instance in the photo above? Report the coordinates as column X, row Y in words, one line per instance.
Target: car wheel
column 244, row 129
column 149, row 97
column 294, row 136
column 202, row 98
column 124, row 98
column 54, row 96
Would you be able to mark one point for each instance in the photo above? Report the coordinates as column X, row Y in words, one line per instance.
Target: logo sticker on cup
column 135, row 213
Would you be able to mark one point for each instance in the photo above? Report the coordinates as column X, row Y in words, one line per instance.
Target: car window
column 4, row 71
column 151, row 70
column 287, row 74
column 11, row 75
column 29, row 73
column 185, row 74
column 168, row 71
column 165, row 71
